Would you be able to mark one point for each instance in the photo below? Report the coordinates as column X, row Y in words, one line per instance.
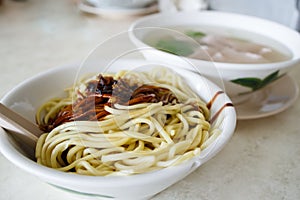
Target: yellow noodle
column 131, row 139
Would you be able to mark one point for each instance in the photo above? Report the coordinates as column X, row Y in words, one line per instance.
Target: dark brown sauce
column 106, row 91
column 210, row 103
column 219, row 111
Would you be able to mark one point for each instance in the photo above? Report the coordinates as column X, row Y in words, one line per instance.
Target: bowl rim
column 219, row 65
column 26, row 164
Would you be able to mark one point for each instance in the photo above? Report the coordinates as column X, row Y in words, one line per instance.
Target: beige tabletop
column 261, row 161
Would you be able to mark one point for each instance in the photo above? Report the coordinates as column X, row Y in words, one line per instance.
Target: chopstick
column 15, row 123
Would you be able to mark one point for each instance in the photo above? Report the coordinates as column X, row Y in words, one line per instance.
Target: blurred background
column 30, row 29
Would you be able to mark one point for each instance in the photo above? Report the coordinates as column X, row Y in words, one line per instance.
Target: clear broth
column 218, row 44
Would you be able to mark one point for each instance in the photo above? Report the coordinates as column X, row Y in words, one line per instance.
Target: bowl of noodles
column 128, row 131
column 220, row 45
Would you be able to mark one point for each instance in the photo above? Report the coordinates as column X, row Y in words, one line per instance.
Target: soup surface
column 218, row 44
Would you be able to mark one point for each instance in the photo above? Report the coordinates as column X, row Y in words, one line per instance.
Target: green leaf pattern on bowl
column 257, row 83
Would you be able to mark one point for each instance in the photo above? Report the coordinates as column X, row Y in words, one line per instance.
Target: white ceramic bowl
column 26, row 97
column 218, row 72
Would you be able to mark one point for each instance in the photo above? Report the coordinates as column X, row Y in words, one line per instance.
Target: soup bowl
column 26, row 97
column 239, row 80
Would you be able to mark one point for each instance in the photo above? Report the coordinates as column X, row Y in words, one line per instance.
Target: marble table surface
column 261, row 161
